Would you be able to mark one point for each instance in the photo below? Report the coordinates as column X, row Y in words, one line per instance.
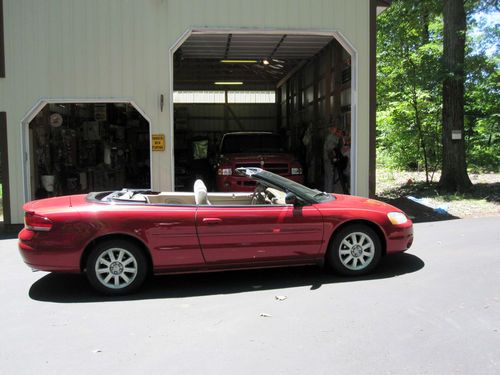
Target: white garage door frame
column 26, row 155
column 344, row 42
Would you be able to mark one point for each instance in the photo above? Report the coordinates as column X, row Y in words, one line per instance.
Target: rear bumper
column 46, row 256
column 400, row 239
column 238, row 183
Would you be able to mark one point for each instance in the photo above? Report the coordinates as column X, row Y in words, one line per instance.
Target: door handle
column 211, row 220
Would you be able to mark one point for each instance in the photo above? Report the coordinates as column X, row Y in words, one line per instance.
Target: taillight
column 36, row 222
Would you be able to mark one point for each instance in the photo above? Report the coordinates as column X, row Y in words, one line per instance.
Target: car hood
column 362, row 203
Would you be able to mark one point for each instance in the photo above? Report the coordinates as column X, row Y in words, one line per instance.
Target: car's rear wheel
column 116, row 267
column 355, row 250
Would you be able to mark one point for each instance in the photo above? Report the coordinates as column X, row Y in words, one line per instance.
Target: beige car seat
column 200, row 192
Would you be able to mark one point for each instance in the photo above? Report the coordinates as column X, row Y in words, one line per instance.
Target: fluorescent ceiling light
column 227, row 83
column 239, row 61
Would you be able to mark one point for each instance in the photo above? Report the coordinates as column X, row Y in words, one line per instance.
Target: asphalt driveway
column 434, row 310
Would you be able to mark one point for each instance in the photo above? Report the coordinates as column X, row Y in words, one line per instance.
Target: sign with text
column 158, row 142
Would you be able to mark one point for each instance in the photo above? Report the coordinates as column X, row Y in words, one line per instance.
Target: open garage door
column 282, row 100
column 82, row 147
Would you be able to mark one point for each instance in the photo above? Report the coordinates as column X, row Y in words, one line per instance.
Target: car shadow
column 65, row 288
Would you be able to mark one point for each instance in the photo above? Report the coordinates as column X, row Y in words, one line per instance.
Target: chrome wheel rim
column 116, row 268
column 357, row 251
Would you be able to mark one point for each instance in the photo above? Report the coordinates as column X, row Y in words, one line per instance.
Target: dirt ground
column 424, row 202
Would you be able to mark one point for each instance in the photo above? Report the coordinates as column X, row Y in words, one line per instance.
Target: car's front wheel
column 116, row 267
column 355, row 250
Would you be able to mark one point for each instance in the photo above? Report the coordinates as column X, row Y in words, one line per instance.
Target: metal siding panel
column 119, row 48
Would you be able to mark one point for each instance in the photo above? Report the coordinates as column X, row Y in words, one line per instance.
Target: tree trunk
column 454, row 172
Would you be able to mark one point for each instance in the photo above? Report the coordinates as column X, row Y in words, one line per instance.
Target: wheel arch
column 376, row 228
column 116, row 236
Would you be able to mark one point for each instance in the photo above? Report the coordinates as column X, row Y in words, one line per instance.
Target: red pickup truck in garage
column 253, row 149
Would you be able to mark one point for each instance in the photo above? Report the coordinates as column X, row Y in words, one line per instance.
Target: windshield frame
column 303, row 192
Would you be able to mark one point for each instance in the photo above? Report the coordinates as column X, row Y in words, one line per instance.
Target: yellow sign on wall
column 158, row 142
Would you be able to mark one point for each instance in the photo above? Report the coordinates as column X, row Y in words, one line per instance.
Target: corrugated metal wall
column 119, row 49
column 207, row 118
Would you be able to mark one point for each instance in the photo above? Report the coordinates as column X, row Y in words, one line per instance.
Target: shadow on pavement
column 65, row 288
column 419, row 213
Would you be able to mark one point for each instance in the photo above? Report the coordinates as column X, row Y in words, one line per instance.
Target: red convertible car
column 118, row 238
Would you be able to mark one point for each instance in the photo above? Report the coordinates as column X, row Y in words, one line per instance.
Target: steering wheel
column 257, row 197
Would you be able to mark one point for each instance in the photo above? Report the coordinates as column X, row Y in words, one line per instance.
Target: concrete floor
column 434, row 310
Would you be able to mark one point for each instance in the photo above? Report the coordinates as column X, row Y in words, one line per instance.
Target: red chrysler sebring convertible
column 117, row 238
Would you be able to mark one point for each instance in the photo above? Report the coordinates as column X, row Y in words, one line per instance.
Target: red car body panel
column 265, row 233
column 197, row 238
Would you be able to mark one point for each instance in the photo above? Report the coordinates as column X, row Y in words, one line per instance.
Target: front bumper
column 400, row 238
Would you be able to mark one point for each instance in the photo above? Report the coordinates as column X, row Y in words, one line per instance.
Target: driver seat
column 200, row 192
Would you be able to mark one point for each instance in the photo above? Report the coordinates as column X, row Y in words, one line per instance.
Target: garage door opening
column 81, row 147
column 297, row 87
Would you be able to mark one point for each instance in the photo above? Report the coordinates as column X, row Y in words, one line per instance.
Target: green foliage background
column 409, row 86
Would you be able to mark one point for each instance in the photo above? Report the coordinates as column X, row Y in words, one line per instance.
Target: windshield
column 312, row 195
column 251, row 144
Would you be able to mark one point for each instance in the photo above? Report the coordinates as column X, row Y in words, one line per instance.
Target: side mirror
column 290, row 198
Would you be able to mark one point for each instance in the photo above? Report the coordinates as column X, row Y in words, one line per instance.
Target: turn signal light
column 397, row 218
column 36, row 222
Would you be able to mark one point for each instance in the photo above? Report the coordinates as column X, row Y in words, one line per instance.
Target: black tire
column 364, row 247
column 121, row 261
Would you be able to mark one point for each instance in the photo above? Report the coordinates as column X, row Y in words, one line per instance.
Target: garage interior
column 83, row 147
column 298, row 86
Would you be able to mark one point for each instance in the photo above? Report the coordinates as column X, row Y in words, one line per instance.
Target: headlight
column 296, row 170
column 225, row 171
column 397, row 218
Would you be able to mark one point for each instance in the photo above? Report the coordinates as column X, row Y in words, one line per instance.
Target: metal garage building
column 101, row 76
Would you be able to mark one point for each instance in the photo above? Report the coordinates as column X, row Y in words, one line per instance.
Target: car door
column 235, row 234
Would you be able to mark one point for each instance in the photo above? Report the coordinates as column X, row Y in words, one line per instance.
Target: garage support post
column 337, row 82
column 317, row 131
column 4, row 163
column 372, row 116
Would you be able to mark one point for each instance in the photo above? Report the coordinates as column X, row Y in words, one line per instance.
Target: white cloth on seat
column 200, row 192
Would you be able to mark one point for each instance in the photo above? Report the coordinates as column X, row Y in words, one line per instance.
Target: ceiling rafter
column 277, row 46
column 228, row 45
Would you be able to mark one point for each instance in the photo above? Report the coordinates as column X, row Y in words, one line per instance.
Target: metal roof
column 197, row 61
column 253, row 46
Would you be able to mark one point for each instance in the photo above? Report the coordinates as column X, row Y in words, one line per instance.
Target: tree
column 454, row 168
column 408, row 87
column 410, row 76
